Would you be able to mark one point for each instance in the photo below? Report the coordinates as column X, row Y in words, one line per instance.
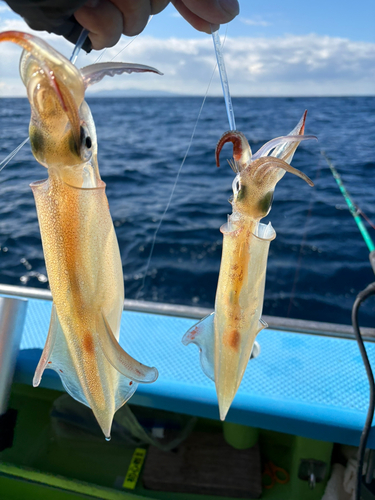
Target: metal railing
column 275, row 322
column 12, row 319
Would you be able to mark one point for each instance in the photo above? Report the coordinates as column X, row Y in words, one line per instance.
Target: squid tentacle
column 262, row 166
column 241, row 148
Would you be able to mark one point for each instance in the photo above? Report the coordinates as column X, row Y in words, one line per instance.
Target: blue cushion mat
column 307, row 385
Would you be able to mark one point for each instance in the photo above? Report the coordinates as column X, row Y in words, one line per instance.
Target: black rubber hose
column 362, row 296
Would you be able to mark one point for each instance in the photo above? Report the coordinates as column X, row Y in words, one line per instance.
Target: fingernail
column 230, row 6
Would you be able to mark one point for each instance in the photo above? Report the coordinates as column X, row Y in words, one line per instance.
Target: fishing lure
column 79, row 242
column 226, row 337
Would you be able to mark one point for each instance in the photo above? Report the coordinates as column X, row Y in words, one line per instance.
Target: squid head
column 257, row 176
column 62, row 131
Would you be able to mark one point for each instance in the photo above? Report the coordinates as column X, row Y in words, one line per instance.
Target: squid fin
column 47, row 351
column 120, row 359
column 56, row 356
column 262, row 325
column 202, row 335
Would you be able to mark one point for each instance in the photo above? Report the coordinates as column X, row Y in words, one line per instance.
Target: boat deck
column 309, row 385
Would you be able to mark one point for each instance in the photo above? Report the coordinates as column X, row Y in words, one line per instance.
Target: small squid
column 79, row 242
column 226, row 337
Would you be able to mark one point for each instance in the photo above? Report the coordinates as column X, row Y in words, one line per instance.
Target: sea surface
column 318, row 261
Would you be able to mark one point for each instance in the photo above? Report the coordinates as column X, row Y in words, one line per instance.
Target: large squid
column 79, row 242
column 226, row 337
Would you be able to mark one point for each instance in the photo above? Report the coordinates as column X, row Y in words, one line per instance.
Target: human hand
column 106, row 20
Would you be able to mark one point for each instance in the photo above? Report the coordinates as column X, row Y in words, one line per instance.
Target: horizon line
column 171, row 95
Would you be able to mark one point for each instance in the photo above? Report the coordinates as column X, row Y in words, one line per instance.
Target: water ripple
column 317, row 263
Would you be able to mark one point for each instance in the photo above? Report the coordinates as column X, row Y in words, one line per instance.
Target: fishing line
column 361, row 297
column 365, row 216
column 127, row 45
column 105, row 50
column 303, row 242
column 132, row 40
column 176, row 180
column 100, row 55
column 173, row 188
column 73, row 59
column 353, row 210
column 10, row 157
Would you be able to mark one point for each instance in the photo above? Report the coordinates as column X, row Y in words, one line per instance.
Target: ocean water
column 318, row 261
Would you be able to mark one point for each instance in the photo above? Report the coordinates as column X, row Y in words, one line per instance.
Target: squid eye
column 236, row 185
column 36, row 140
column 266, row 203
column 85, row 139
column 86, row 144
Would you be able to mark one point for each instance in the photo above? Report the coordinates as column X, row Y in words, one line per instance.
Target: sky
column 273, row 48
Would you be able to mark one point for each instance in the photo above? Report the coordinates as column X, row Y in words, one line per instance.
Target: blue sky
column 347, row 19
column 272, row 48
column 354, row 20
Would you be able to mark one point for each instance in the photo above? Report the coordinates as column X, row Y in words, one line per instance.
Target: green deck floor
column 39, row 466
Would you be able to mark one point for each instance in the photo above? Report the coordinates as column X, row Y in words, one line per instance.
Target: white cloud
column 256, row 21
column 282, row 66
column 4, row 8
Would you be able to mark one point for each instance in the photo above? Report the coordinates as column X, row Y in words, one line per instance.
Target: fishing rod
column 361, row 297
column 354, row 211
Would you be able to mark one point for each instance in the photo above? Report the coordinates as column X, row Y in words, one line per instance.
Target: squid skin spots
column 235, row 338
column 88, row 344
column 193, row 333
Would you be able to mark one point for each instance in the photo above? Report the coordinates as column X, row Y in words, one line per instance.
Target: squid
column 226, row 337
column 79, row 242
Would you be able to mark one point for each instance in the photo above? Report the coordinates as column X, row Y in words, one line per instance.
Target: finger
column 214, row 11
column 135, row 14
column 197, row 22
column 158, row 5
column 201, row 15
column 104, row 22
